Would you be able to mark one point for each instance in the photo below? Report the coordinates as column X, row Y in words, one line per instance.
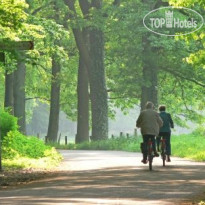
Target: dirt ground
column 112, row 177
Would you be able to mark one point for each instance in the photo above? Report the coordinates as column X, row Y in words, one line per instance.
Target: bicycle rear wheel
column 163, row 159
column 150, row 159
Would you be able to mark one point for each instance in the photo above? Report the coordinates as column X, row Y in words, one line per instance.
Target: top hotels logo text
column 170, row 22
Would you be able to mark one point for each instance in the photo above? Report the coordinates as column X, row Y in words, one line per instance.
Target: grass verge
column 186, row 146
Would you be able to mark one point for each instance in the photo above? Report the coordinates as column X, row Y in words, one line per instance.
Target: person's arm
column 171, row 121
column 139, row 120
column 159, row 120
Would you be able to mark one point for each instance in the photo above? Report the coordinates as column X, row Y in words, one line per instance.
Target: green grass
column 190, row 146
column 121, row 143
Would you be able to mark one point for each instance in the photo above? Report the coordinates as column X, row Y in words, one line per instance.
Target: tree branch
column 182, row 76
column 39, row 9
column 37, row 98
column 116, row 3
column 85, row 6
column 79, row 38
column 123, row 97
column 160, row 3
column 183, row 96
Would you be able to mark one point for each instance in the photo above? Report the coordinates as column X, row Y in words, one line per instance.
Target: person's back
column 149, row 122
column 167, row 122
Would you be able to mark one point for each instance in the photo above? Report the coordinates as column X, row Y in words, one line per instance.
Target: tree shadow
column 134, row 184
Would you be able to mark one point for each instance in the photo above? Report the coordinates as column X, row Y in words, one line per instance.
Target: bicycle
column 163, row 151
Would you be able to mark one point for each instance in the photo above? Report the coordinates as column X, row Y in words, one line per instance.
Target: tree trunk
column 8, row 100
column 94, row 61
column 83, row 104
column 98, row 90
column 54, row 104
column 149, row 92
column 19, row 95
column 150, row 73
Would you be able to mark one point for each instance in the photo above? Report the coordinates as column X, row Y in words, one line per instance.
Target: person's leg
column 153, row 142
column 167, row 141
column 145, row 141
column 168, row 145
column 158, row 138
column 152, row 137
column 154, row 145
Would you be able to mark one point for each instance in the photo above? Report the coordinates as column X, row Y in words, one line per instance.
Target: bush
column 20, row 151
column 7, row 123
column 16, row 144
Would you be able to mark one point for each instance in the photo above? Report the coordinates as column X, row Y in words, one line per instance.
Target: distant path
column 112, row 177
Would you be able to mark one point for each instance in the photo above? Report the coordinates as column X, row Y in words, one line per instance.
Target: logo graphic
column 169, row 18
column 171, row 21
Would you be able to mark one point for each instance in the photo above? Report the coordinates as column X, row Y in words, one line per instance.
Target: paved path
column 111, row 177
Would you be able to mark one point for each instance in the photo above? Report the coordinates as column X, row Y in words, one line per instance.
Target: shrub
column 7, row 123
column 16, row 144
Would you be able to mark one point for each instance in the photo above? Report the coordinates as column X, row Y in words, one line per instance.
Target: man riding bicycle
column 150, row 122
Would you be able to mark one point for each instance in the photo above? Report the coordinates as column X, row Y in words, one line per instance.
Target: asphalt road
column 112, row 177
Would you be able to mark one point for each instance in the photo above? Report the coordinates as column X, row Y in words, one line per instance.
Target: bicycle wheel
column 150, row 158
column 163, row 152
column 150, row 154
column 163, row 158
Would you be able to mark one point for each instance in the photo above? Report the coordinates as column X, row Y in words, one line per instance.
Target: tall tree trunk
column 83, row 104
column 19, row 95
column 83, row 84
column 149, row 91
column 8, row 100
column 98, row 90
column 54, row 104
column 150, row 73
column 94, row 61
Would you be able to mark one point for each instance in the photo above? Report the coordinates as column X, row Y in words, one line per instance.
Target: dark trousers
column 166, row 136
column 145, row 142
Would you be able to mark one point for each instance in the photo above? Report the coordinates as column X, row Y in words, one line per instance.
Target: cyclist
column 165, row 130
column 149, row 121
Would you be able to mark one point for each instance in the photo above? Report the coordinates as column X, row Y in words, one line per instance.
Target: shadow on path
column 117, row 185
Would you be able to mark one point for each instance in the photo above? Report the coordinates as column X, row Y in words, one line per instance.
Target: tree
column 166, row 55
column 83, row 104
column 8, row 101
column 94, row 62
column 54, row 46
column 19, row 94
column 55, row 103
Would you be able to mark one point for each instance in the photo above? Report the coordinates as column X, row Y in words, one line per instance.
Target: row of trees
column 91, row 56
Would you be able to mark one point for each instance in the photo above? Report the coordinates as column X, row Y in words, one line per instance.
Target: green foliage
column 12, row 13
column 7, row 123
column 19, row 151
column 17, row 144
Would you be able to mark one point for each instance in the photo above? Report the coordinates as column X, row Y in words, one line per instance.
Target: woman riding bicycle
column 165, row 130
column 149, row 121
